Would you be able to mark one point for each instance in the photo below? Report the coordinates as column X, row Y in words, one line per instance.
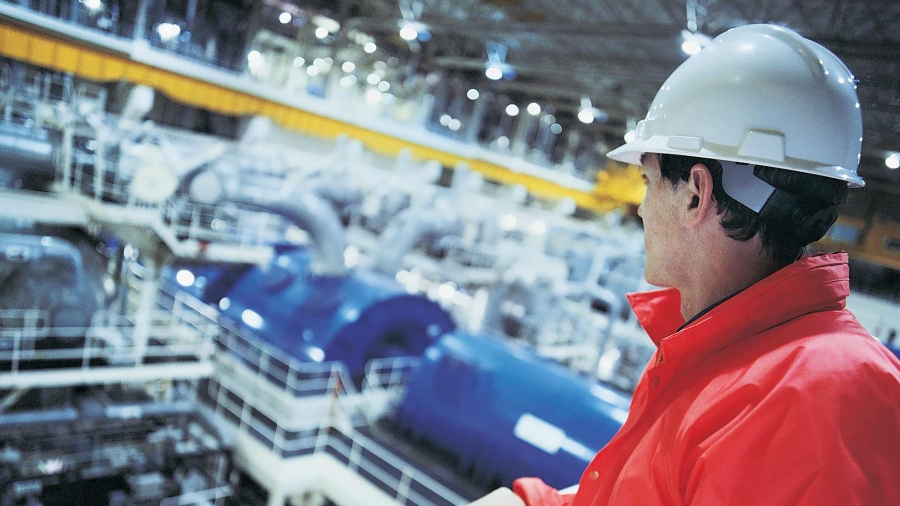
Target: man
column 764, row 389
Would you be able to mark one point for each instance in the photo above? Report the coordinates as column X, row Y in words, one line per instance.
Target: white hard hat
column 758, row 94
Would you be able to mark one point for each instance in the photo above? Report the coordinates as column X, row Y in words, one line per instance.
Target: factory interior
column 352, row 252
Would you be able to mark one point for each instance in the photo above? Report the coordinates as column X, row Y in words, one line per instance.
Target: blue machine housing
column 506, row 413
column 352, row 318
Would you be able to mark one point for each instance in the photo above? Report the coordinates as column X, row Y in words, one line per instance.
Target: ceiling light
column 691, row 47
column 285, row 18
column 370, row 47
column 252, row 318
column 494, row 72
column 321, row 32
column 534, row 109
column 312, row 70
column 585, row 116
column 556, row 128
column 629, row 136
column 92, row 5
column 384, row 86
column 348, row 81
column 454, row 124
column 694, row 42
column 512, row 109
column 373, row 79
column 892, row 161
column 444, row 119
column 184, row 277
column 168, row 31
column 472, row 94
column 299, row 61
column 348, row 66
column 408, row 32
column 373, row 96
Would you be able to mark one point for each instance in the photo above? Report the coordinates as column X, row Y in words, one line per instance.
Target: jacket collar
column 814, row 283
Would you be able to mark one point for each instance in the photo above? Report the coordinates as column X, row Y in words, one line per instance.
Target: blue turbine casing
column 352, row 318
column 483, row 401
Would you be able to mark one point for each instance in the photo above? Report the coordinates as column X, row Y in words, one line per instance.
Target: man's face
column 660, row 226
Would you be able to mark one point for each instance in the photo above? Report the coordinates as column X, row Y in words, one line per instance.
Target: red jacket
column 777, row 396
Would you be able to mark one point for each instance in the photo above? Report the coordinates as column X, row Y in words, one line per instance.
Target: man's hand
column 499, row 497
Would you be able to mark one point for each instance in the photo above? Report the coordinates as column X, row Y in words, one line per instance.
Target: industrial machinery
column 113, row 445
column 351, row 318
column 502, row 412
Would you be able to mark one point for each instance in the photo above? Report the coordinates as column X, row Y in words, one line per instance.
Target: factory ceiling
column 618, row 53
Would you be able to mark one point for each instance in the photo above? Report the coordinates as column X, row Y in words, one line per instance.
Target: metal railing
column 223, row 223
column 327, row 427
column 178, row 329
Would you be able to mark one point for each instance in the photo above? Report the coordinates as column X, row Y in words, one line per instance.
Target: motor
column 503, row 412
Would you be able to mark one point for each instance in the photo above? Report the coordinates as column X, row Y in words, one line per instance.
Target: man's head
column 783, row 232
column 690, row 218
column 764, row 122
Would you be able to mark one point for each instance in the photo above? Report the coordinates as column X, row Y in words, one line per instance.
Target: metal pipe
column 409, row 229
column 314, row 215
column 304, row 209
column 110, row 411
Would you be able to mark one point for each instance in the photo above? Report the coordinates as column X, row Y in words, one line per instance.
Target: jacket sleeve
column 537, row 493
column 803, row 445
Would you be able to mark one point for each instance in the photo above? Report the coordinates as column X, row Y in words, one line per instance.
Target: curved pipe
column 304, row 209
column 407, row 230
column 30, row 248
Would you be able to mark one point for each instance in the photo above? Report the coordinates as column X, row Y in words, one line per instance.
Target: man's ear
column 698, row 203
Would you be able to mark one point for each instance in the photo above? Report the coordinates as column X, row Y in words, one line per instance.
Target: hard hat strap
column 741, row 184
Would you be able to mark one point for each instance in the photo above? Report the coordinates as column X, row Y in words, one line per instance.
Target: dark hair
column 783, row 235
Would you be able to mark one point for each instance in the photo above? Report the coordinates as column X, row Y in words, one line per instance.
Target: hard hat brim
column 631, row 153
